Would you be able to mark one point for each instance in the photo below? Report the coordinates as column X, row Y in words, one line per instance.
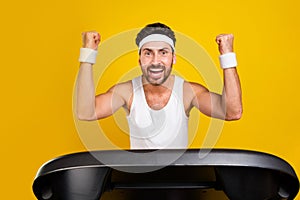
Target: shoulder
column 193, row 88
column 191, row 91
column 124, row 85
column 123, row 89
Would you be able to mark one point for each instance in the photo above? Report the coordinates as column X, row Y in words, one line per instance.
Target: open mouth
column 156, row 71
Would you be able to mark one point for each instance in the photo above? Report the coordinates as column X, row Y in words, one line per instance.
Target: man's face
column 156, row 60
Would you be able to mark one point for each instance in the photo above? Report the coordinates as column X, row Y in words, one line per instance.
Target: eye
column 147, row 53
column 164, row 52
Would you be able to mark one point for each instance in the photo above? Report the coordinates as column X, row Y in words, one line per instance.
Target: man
column 158, row 103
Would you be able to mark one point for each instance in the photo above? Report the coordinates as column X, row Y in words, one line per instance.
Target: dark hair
column 155, row 28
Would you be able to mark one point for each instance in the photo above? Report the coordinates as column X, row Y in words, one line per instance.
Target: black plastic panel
column 233, row 174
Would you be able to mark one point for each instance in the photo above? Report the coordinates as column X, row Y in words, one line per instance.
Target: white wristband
column 228, row 60
column 88, row 55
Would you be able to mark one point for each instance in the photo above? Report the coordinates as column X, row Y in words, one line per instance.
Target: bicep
column 209, row 103
column 108, row 103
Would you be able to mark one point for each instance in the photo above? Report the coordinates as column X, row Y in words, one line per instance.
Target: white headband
column 157, row 38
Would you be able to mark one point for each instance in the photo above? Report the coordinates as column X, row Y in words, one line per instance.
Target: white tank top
column 157, row 129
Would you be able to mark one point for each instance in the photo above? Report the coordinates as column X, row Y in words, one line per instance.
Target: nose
column 156, row 59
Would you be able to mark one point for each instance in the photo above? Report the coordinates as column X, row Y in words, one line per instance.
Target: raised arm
column 88, row 106
column 228, row 105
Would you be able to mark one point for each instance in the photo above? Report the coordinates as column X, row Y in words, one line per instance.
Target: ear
column 174, row 59
column 139, row 61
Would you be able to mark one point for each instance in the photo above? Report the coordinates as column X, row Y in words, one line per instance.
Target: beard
column 157, row 74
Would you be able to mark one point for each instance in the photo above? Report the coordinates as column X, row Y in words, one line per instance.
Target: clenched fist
column 225, row 42
column 90, row 40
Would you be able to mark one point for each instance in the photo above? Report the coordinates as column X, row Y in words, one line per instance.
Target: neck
column 167, row 85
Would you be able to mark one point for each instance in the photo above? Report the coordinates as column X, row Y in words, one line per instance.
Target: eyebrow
column 164, row 48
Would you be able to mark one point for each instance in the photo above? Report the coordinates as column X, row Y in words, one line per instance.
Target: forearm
column 232, row 95
column 231, row 99
column 85, row 93
column 85, row 89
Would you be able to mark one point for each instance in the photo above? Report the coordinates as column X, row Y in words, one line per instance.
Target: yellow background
column 40, row 43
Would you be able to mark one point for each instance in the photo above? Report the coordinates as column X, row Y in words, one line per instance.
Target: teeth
column 156, row 70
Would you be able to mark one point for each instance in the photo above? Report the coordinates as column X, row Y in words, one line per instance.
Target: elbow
column 234, row 115
column 85, row 117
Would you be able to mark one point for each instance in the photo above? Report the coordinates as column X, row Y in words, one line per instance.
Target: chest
column 157, row 100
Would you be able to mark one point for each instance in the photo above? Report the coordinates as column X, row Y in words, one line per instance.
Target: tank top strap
column 178, row 87
column 136, row 83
